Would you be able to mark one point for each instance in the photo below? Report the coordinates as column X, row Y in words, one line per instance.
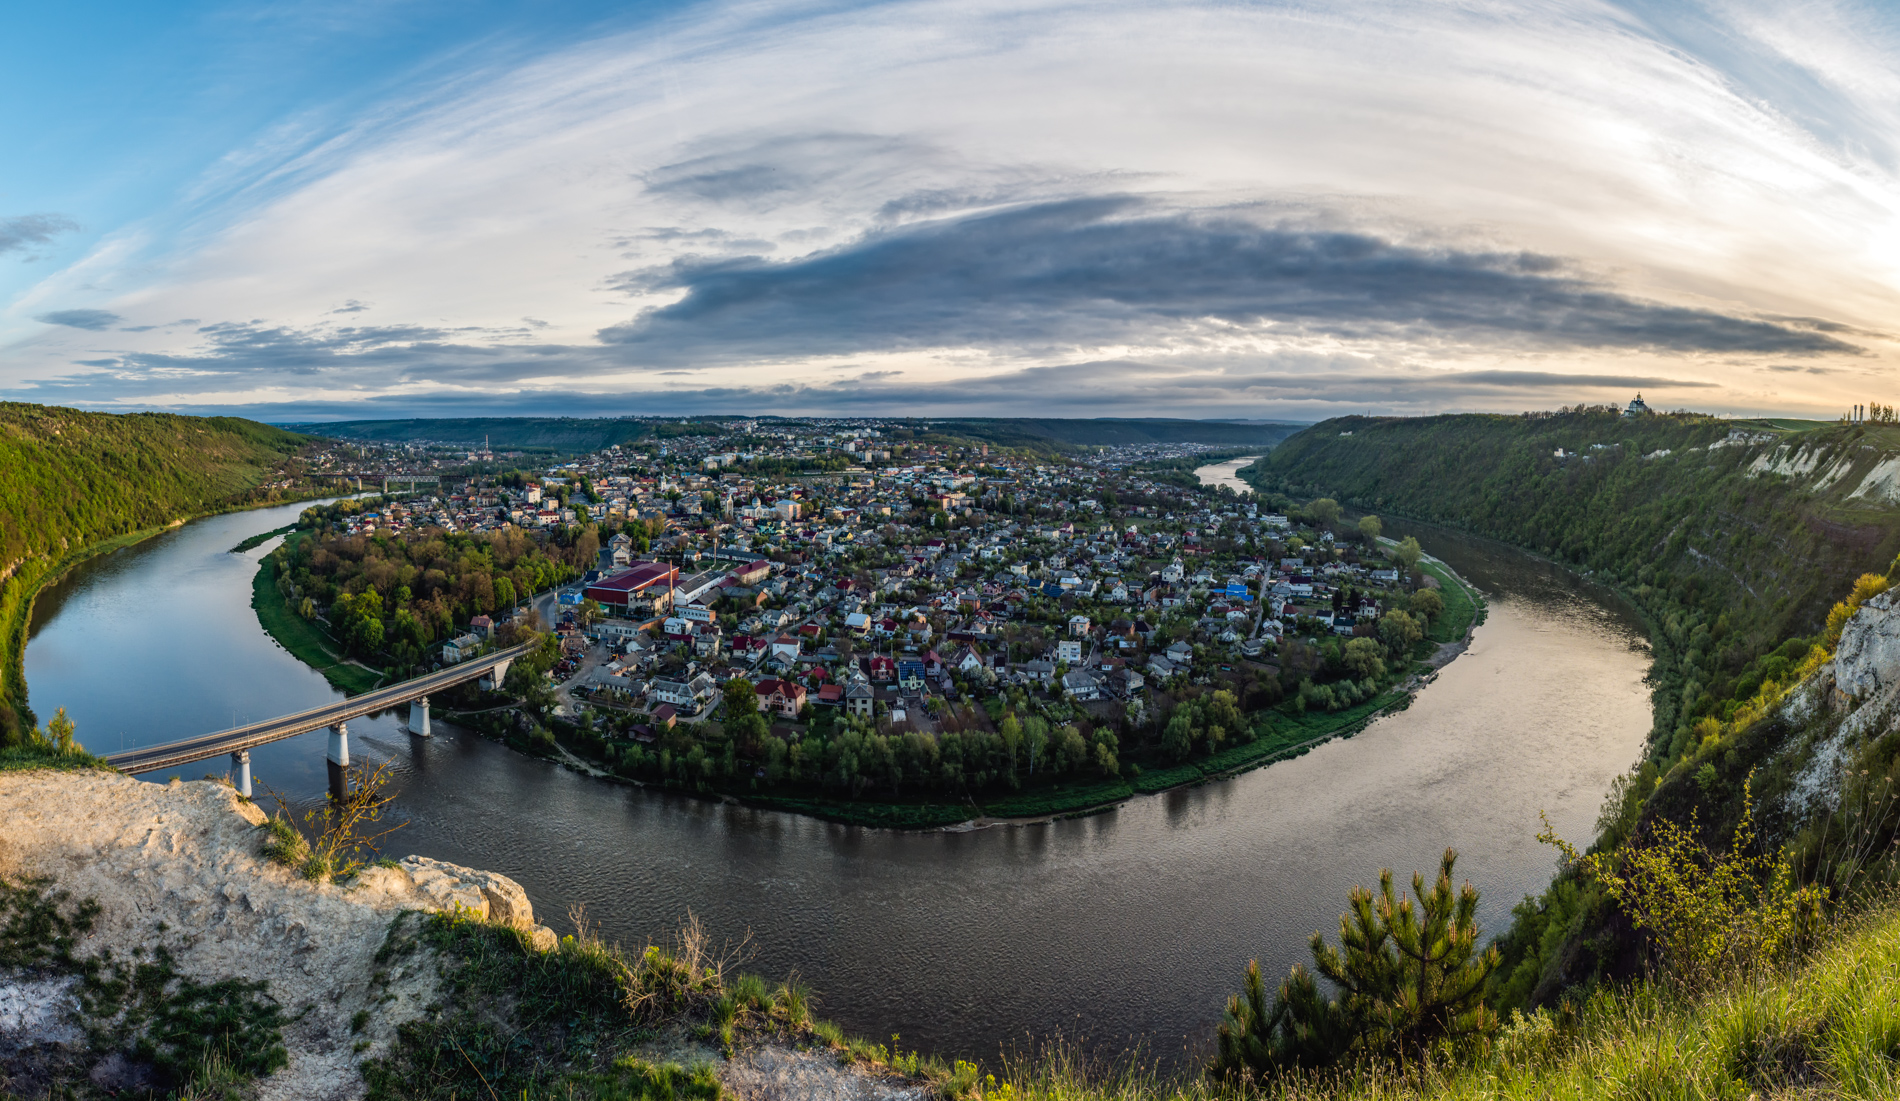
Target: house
column 1069, row 650
column 1160, row 667
column 831, row 695
column 1081, row 685
column 461, row 648
column 910, row 675
column 1180, row 653
column 968, row 662
column 784, row 646
column 860, row 700
column 1040, row 669
column 483, row 626
column 882, row 669
column 664, row 715
column 1079, row 625
column 780, row 697
column 686, row 695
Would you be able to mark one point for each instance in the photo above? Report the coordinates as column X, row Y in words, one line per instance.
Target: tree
column 1362, row 659
column 1408, row 553
column 1400, row 632
column 1324, row 512
column 1407, row 975
column 1427, row 604
column 1369, row 529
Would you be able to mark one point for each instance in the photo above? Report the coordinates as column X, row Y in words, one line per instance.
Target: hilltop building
column 1636, row 408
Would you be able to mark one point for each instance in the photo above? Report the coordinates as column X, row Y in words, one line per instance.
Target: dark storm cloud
column 25, row 230
column 95, row 320
column 1105, row 270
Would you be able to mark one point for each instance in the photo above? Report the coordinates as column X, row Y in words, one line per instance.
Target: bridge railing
column 251, row 735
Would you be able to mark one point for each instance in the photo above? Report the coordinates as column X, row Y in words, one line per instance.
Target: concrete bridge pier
column 419, row 716
column 339, row 761
column 241, row 771
column 495, row 676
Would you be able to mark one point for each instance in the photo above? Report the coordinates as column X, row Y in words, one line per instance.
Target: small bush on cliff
column 560, row 1021
column 333, row 840
column 1710, row 915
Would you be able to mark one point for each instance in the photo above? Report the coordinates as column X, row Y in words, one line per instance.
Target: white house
column 462, row 648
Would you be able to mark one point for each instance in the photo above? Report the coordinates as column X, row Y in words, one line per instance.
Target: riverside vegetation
column 76, row 484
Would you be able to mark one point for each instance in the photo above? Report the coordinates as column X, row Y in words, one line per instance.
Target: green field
column 1463, row 607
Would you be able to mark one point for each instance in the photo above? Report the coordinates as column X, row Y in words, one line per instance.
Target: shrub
column 1711, row 915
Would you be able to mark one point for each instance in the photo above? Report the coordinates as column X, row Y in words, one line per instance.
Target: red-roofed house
column 781, row 697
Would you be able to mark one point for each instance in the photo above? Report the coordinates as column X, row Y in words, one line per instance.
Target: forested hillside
column 1735, row 539
column 1730, row 537
column 73, row 481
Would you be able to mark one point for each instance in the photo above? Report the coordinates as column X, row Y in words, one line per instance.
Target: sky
column 1243, row 210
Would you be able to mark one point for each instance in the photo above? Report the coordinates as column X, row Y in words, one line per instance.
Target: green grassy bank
column 305, row 639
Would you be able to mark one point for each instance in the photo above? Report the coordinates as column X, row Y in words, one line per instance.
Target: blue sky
column 1103, row 209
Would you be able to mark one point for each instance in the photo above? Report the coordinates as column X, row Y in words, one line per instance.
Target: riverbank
column 303, row 638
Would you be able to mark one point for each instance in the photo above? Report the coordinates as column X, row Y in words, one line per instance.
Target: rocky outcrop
column 179, row 865
column 1867, row 662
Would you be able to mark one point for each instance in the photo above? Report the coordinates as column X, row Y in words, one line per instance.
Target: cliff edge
column 178, row 875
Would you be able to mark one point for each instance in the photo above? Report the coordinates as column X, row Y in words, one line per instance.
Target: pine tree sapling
column 1408, row 975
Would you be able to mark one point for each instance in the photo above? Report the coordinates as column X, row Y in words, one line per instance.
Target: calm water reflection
column 1133, row 923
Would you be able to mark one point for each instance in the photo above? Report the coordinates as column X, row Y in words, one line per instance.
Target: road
column 252, row 735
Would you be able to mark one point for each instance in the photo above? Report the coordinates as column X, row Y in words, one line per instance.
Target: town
column 883, row 577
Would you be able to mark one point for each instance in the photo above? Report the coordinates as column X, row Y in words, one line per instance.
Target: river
column 1131, row 924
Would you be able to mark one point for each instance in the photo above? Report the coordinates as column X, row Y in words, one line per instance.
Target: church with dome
column 1636, row 408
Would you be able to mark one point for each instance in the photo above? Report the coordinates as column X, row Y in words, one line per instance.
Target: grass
column 1829, row 1027
column 1463, row 606
column 1067, row 798
column 303, row 638
column 588, row 1021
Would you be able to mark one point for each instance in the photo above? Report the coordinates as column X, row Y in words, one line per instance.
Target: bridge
column 240, row 740
column 359, row 479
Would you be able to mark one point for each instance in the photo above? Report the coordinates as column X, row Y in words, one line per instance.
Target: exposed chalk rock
column 1867, row 663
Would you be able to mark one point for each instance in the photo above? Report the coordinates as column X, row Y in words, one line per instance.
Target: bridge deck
column 251, row 735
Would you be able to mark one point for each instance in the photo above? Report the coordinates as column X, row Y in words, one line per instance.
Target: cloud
column 1110, row 269
column 23, row 231
column 94, row 320
column 1205, row 208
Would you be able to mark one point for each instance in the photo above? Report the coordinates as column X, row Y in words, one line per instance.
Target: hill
column 582, row 434
column 562, row 434
column 74, row 483
column 1734, row 539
